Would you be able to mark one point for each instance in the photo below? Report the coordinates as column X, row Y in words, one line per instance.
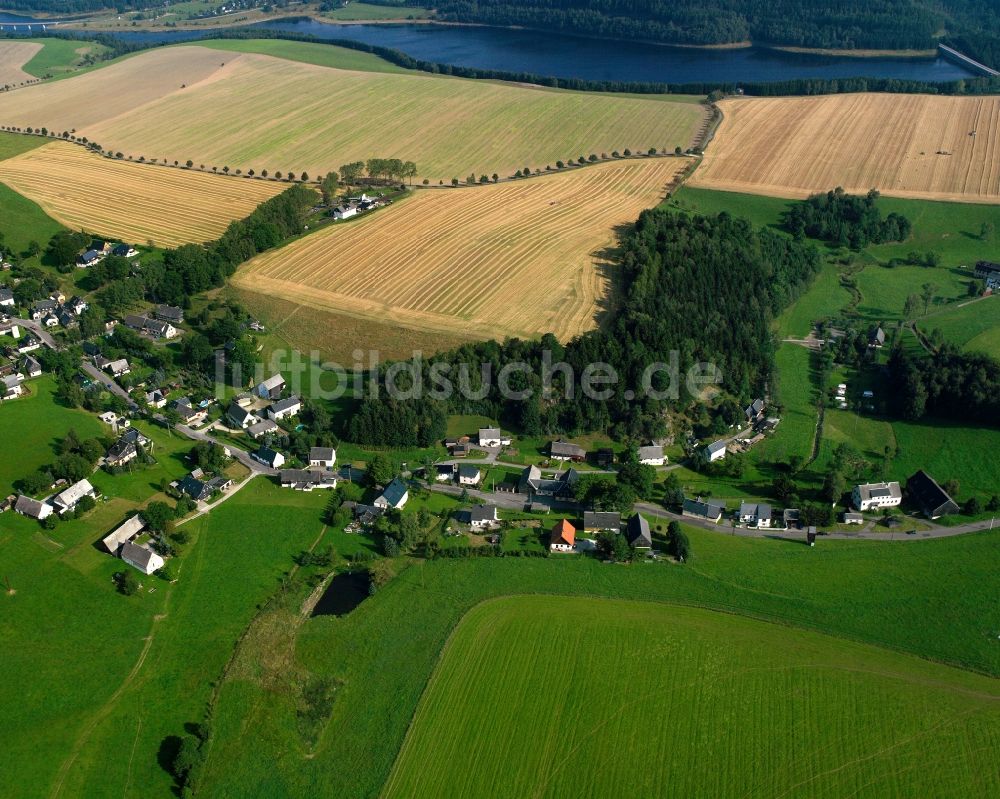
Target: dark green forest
column 705, row 288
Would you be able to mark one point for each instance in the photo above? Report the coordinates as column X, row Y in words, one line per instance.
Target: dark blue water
column 592, row 59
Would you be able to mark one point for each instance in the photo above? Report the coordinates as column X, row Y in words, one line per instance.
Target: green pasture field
column 533, row 722
column 60, row 56
column 824, row 298
column 39, row 421
column 236, row 559
column 922, row 597
column 467, row 425
column 884, row 290
column 324, row 55
column 972, row 325
column 12, row 144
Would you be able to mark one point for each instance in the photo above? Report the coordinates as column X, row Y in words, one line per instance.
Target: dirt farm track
column 519, row 258
column 916, row 146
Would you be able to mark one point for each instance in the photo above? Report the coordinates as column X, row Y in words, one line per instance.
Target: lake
column 345, row 592
column 564, row 56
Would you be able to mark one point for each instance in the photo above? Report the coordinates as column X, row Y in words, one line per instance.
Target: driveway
column 39, row 331
column 108, row 383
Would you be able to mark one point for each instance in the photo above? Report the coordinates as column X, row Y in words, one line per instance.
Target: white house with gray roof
column 876, row 495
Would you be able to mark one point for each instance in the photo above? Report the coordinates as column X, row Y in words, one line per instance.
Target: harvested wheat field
column 135, row 202
column 519, row 258
column 250, row 111
column 917, row 146
column 13, row 56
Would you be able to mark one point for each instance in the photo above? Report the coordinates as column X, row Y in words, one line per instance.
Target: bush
column 127, row 582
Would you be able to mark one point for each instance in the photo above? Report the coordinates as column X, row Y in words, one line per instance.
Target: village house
column 152, row 327
column 853, row 518
column 141, row 558
column 271, row 388
column 126, row 449
column 792, row 518
column 8, row 327
column 118, row 368
column 876, row 495
column 43, row 308
column 269, row 457
column 652, row 455
column 469, row 475
column 564, row 451
column 88, row 258
column 67, row 499
column 75, row 305
column 126, row 531
column 755, row 514
column 169, row 313
column 11, row 387
column 50, row 321
column 482, row 517
column 241, row 418
column 702, row 509
column 30, row 367
column 6, row 297
column 989, row 272
column 262, row 428
column 715, row 451
column 562, row 537
column 322, row 457
column 394, row 495
column 190, row 415
column 924, row 492
column 754, row 411
column 32, row 508
column 532, row 483
column 876, row 338
column 601, row 521
column 124, row 251
column 345, row 211
column 637, row 532
column 492, row 437
column 445, row 472
column 155, row 399
column 29, row 344
column 306, row 479
column 284, row 409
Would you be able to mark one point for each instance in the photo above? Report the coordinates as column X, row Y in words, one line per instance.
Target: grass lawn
column 971, row 325
column 12, row 144
column 761, row 211
column 241, row 550
column 922, row 597
column 39, row 421
column 893, row 714
column 60, row 56
column 459, row 425
column 824, row 298
column 23, row 221
column 884, row 290
column 797, row 392
column 324, row 55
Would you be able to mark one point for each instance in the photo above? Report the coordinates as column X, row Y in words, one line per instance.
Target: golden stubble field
column 134, row 202
column 519, row 258
column 916, row 146
column 252, row 111
column 13, row 56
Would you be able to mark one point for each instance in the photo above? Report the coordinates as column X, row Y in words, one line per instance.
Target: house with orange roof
column 563, row 537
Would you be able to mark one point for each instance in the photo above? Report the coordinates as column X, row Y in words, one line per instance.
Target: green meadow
column 60, row 56
column 40, row 421
column 972, row 325
column 663, row 682
column 923, row 598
